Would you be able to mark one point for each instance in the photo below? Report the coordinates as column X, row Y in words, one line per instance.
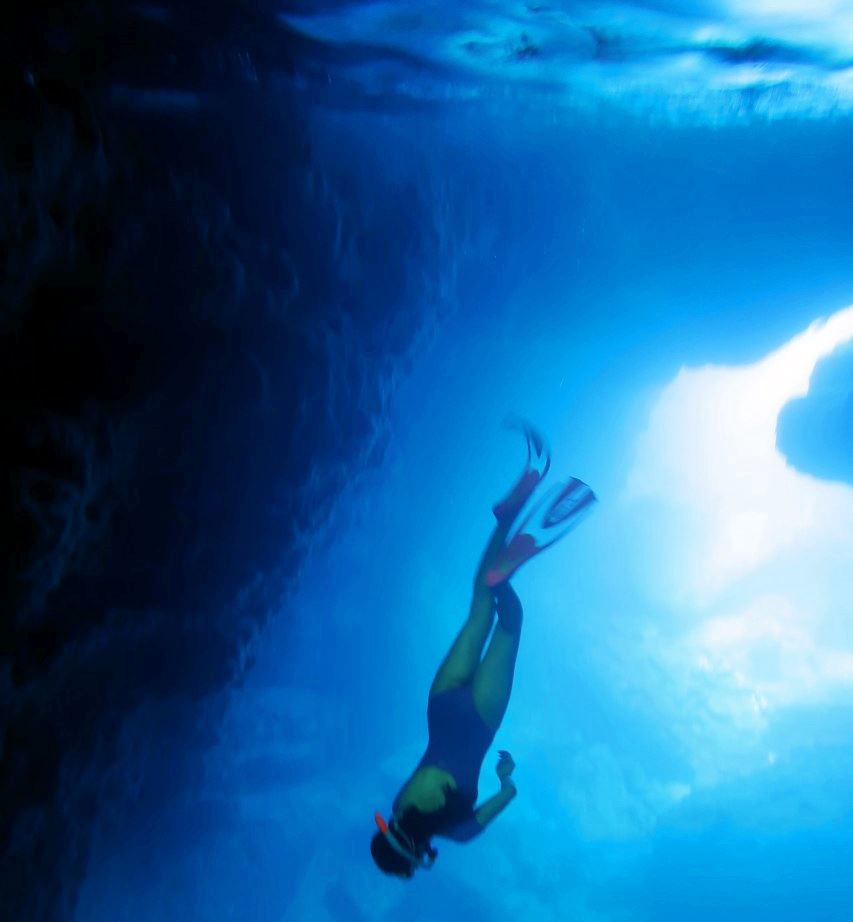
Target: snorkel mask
column 404, row 845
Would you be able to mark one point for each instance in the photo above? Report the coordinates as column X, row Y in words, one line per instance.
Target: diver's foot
column 519, row 550
column 508, row 607
column 507, row 509
column 538, row 462
column 555, row 515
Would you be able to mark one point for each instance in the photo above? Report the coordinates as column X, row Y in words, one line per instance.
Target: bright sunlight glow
column 756, row 557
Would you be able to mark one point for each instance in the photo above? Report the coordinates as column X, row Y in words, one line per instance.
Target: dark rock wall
column 200, row 330
column 815, row 432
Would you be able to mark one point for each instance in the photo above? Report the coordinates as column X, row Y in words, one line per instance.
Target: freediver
column 470, row 692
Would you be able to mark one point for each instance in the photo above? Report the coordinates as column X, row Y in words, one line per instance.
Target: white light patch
column 821, row 23
column 799, row 9
column 821, row 18
column 768, row 647
column 754, row 556
column 806, row 9
column 710, row 451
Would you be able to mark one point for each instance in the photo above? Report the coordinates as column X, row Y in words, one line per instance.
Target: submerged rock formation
column 815, row 432
column 200, row 326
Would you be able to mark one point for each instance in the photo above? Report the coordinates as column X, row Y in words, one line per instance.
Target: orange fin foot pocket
column 535, row 469
column 554, row 516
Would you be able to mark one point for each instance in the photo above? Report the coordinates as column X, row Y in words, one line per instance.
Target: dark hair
column 421, row 827
column 387, row 859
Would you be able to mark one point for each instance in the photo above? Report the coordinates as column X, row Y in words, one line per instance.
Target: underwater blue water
column 642, row 211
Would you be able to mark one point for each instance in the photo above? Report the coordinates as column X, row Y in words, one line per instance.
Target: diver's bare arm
column 490, row 808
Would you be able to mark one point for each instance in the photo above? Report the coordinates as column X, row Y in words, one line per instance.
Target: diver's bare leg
column 492, row 683
column 463, row 658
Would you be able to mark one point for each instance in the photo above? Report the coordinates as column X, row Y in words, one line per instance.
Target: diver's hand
column 506, row 765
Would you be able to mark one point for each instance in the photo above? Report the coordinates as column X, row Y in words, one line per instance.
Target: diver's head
column 388, row 860
column 397, row 852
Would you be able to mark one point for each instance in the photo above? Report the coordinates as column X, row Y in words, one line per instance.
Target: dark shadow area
column 815, row 432
column 198, row 342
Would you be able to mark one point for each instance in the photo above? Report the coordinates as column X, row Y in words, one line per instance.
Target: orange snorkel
column 383, row 826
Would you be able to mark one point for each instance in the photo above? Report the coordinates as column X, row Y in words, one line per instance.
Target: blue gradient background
column 592, row 259
column 613, row 220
